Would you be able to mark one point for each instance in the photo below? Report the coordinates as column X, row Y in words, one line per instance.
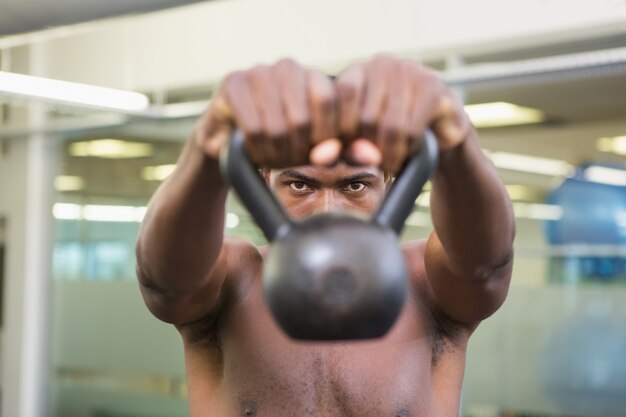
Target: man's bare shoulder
column 448, row 334
column 242, row 263
column 414, row 251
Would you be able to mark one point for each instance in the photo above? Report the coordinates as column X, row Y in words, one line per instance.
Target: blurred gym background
column 544, row 80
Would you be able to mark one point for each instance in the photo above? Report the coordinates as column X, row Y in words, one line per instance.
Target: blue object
column 593, row 214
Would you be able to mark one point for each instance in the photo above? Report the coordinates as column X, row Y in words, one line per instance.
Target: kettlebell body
column 333, row 276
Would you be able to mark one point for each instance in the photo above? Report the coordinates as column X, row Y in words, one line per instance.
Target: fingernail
column 367, row 154
column 325, row 153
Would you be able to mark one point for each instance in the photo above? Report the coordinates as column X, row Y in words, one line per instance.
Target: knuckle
column 367, row 120
column 323, row 91
column 390, row 133
column 234, row 79
column 384, row 59
column 258, row 71
column 253, row 132
column 347, row 90
column 286, row 64
column 300, row 123
column 276, row 132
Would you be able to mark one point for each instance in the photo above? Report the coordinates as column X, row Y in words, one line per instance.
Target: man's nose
column 328, row 201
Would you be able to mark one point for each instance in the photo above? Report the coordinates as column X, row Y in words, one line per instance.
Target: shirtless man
column 238, row 362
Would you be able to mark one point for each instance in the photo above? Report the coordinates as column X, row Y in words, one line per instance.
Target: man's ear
column 387, row 177
column 265, row 173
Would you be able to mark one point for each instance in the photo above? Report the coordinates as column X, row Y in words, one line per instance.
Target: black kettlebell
column 332, row 276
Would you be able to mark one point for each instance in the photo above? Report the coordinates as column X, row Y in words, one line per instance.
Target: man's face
column 309, row 189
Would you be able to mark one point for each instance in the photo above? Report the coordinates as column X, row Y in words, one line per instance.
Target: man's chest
column 386, row 376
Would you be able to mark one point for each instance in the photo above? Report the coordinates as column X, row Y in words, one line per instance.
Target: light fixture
column 65, row 92
column 615, row 144
column 65, row 211
column 502, row 114
column 531, row 164
column 232, row 220
column 69, row 183
column 110, row 213
column 110, row 148
column 538, row 211
column 157, row 172
column 518, row 192
column 605, row 175
column 98, row 213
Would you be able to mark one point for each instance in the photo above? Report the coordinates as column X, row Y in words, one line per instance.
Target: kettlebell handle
column 271, row 218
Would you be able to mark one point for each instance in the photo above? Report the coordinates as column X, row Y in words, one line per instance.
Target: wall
column 195, row 46
column 198, row 44
column 12, row 208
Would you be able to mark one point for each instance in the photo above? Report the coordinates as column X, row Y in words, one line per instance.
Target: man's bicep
column 468, row 298
column 180, row 308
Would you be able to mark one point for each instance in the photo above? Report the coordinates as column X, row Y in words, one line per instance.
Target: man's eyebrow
column 357, row 177
column 292, row 173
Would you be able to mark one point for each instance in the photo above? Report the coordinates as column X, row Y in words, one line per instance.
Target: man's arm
column 184, row 265
column 469, row 255
column 386, row 104
column 180, row 262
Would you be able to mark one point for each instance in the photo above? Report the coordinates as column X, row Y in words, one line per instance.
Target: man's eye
column 298, row 186
column 355, row 187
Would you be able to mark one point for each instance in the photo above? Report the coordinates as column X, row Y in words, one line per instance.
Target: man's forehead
column 340, row 170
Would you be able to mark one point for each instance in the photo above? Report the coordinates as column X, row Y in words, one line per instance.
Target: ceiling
column 581, row 106
column 19, row 16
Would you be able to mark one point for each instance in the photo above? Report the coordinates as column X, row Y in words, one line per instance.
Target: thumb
column 364, row 152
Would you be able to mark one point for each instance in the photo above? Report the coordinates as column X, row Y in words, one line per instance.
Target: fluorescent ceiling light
column 64, row 211
column 158, row 172
column 111, row 213
column 519, row 192
column 615, row 144
column 69, row 183
column 65, row 92
column 502, row 114
column 110, row 148
column 98, row 213
column 184, row 109
column 604, row 175
column 538, row 211
column 531, row 164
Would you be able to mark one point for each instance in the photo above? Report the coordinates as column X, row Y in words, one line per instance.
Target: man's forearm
column 181, row 236
column 471, row 211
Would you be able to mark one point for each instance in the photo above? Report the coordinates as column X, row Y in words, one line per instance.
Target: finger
column 292, row 85
column 215, row 126
column 238, row 94
column 363, row 152
column 376, row 91
column 451, row 124
column 326, row 152
column 426, row 90
column 270, row 108
column 322, row 102
column 350, row 92
column 394, row 125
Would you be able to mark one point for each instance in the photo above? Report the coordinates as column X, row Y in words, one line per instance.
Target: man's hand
column 389, row 102
column 287, row 113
